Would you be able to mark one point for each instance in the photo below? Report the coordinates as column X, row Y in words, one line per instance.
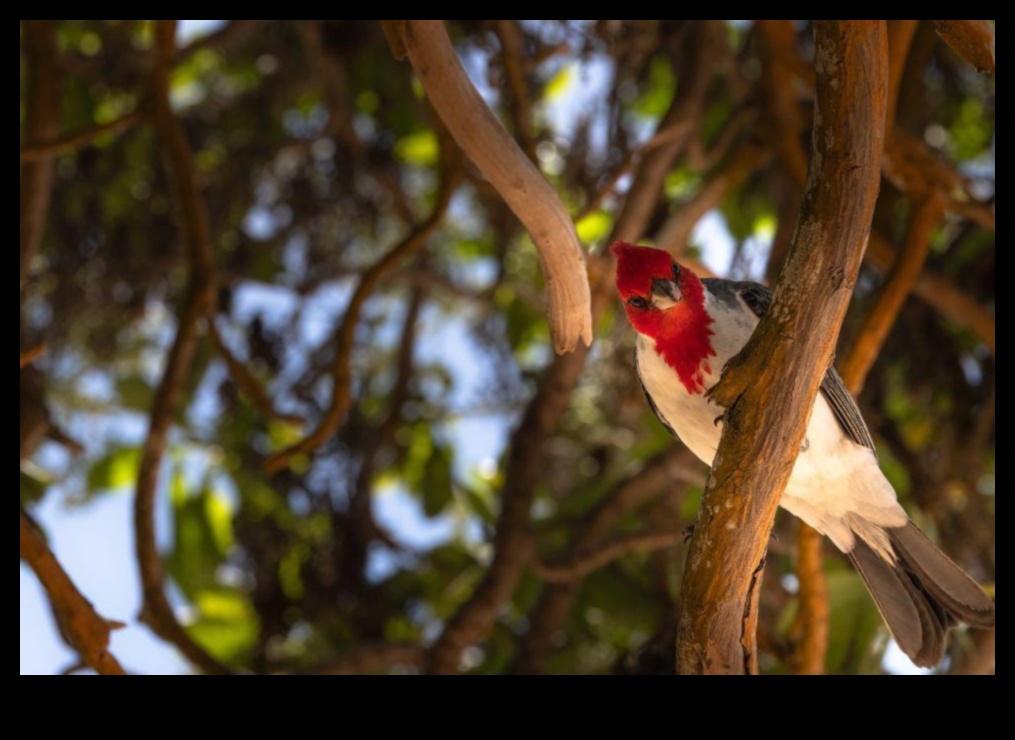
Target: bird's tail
column 922, row 594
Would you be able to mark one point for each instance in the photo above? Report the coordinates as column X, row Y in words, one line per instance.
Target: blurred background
column 458, row 510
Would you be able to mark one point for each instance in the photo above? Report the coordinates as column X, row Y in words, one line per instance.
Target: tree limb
column 815, row 612
column 938, row 292
column 588, row 563
column 88, row 632
column 43, row 150
column 42, row 123
column 672, row 467
column 513, row 545
column 901, row 281
column 503, row 163
column 971, row 40
column 249, row 385
column 201, row 298
column 770, row 388
column 31, row 355
column 345, row 337
column 675, row 235
column 373, row 659
column 512, row 43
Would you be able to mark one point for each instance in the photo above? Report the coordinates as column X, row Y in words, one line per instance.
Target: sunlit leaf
column 226, row 624
column 115, row 471
column 420, row 149
column 560, row 83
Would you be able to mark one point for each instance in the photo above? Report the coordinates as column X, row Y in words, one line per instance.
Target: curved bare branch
column 971, row 40
column 502, row 162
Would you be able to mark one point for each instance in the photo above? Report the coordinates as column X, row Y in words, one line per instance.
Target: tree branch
column 672, row 467
column 938, row 292
column 502, row 162
column 44, row 150
column 88, row 632
column 587, row 564
column 373, row 659
column 31, row 355
column 900, row 41
column 770, row 388
column 249, row 385
column 971, row 40
column 901, row 281
column 42, row 123
column 675, row 235
column 815, row 613
column 201, row 298
column 514, row 547
column 512, row 44
column 345, row 338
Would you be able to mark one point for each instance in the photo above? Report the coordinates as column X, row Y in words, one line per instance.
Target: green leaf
column 226, row 624
column 420, row 149
column 560, row 83
column 115, row 471
column 594, row 227
column 438, row 484
column 202, row 540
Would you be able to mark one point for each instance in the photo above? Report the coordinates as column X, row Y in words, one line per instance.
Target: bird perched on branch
column 688, row 330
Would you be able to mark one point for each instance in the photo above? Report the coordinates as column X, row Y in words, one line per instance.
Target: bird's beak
column 666, row 293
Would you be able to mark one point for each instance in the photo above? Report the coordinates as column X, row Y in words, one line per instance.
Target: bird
column 688, row 330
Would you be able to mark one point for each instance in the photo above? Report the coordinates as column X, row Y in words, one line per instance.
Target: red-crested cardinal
column 688, row 330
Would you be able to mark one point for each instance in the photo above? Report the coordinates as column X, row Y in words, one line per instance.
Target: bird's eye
column 637, row 302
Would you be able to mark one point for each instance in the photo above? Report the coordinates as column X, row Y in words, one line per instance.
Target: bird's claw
column 689, row 534
column 719, row 420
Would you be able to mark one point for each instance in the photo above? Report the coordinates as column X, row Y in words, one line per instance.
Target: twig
column 900, row 41
column 513, row 44
column 575, row 570
column 78, row 140
column 341, row 372
column 31, row 355
column 42, row 123
column 249, row 385
column 196, row 233
column 232, row 33
column 938, row 292
column 971, row 40
column 682, row 122
column 815, row 613
column 502, row 162
column 675, row 234
column 373, row 659
column 89, row 633
column 673, row 467
column 513, row 544
column 897, row 289
column 785, row 122
column 772, row 384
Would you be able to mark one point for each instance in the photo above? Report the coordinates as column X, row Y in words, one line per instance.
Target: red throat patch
column 682, row 334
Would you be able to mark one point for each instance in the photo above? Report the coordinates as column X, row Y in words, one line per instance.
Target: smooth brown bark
column 89, row 633
column 770, row 388
column 504, row 164
column 971, row 40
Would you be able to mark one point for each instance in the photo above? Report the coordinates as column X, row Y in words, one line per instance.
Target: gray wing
column 758, row 298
